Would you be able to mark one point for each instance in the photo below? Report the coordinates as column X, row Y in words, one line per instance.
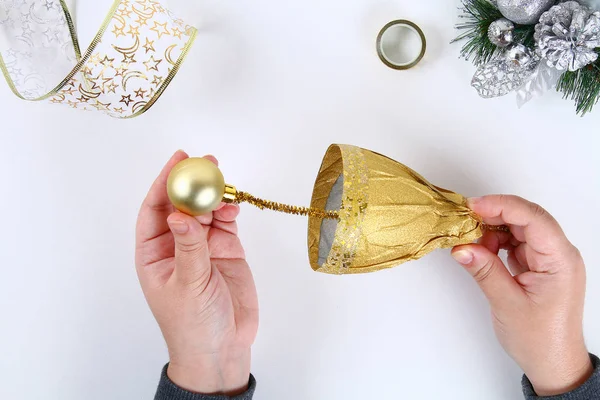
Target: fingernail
column 473, row 201
column 463, row 256
column 212, row 158
column 178, row 227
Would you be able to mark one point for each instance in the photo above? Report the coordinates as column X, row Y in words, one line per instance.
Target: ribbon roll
column 130, row 62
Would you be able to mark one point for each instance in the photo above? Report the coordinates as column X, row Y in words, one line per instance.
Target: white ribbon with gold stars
column 131, row 61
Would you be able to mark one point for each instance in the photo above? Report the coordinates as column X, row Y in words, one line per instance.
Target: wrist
column 564, row 376
column 225, row 372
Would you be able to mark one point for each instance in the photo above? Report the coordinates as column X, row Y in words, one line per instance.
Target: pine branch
column 524, row 34
column 582, row 86
column 479, row 15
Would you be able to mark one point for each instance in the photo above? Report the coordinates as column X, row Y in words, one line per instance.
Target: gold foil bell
column 388, row 214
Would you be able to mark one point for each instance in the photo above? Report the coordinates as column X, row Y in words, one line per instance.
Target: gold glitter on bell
column 388, row 214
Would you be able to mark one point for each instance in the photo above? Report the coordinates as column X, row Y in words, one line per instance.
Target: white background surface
column 267, row 87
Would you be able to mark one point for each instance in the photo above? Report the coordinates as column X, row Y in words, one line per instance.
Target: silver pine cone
column 567, row 36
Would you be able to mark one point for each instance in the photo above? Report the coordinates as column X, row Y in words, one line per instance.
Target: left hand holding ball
column 195, row 278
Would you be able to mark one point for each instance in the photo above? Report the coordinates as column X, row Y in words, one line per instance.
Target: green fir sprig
column 524, row 34
column 478, row 15
column 582, row 86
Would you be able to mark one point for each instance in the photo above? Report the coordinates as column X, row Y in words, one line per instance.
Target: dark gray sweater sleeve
column 167, row 390
column 590, row 390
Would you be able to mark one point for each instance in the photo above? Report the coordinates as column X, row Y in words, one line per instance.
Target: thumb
column 192, row 258
column 489, row 272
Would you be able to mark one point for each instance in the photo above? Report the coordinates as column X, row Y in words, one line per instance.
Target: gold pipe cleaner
column 243, row 197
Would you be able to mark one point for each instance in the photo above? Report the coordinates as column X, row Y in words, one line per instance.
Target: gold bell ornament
column 368, row 212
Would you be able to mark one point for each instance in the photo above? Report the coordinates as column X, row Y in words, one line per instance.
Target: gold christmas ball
column 196, row 186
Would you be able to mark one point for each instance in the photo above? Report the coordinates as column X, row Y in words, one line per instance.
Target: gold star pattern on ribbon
column 149, row 45
column 140, row 93
column 126, row 99
column 152, row 64
column 157, row 80
column 160, row 29
column 118, row 31
column 134, row 31
column 107, row 62
column 129, row 64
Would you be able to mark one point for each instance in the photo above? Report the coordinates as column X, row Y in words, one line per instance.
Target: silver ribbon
column 543, row 79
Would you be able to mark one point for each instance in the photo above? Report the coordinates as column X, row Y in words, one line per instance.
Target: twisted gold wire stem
column 242, row 197
column 496, row 228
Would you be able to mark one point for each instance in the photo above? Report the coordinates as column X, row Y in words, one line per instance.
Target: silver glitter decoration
column 501, row 32
column 519, row 55
column 504, row 74
column 524, row 12
column 594, row 5
column 567, row 35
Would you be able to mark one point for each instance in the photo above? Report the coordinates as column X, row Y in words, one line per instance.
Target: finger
column 489, row 272
column 224, row 218
column 520, row 254
column 225, row 245
column 490, row 241
column 152, row 219
column 228, row 213
column 507, row 246
column 495, row 240
column 518, row 233
column 229, row 227
column 515, row 266
column 212, row 158
column 192, row 257
column 528, row 257
column 513, row 240
column 540, row 229
column 205, row 219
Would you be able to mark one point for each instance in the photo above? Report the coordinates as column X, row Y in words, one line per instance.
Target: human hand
column 200, row 289
column 538, row 312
